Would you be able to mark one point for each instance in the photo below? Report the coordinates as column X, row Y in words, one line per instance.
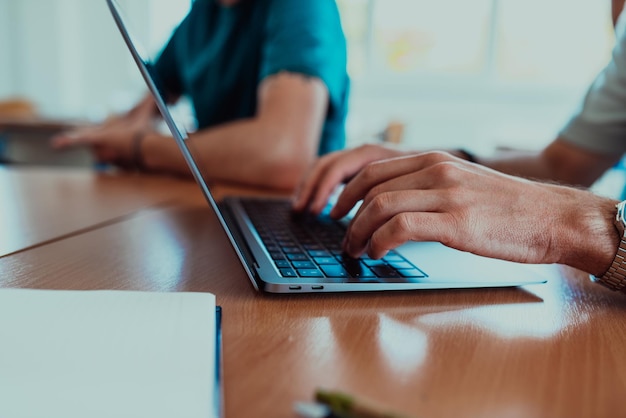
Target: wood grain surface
column 551, row 350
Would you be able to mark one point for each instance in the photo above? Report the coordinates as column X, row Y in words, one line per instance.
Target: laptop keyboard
column 310, row 246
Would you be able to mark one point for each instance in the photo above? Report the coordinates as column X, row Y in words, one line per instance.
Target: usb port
column 295, row 287
column 317, row 287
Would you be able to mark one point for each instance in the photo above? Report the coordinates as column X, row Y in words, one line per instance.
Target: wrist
column 591, row 237
column 615, row 277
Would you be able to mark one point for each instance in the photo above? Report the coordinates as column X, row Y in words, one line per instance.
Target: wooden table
column 553, row 350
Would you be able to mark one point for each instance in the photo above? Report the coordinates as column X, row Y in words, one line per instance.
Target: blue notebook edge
column 219, row 394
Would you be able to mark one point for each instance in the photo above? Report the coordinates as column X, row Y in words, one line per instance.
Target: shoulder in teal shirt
column 219, row 55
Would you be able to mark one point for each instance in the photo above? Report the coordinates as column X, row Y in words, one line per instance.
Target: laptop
column 285, row 253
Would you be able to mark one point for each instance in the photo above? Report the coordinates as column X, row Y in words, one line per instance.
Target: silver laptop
column 285, row 253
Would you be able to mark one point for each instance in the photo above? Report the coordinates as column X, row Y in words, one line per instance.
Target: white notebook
column 95, row 354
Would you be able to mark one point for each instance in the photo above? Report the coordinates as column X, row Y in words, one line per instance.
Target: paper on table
column 107, row 354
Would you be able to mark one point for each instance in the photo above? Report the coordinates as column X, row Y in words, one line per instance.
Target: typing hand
column 438, row 197
column 332, row 170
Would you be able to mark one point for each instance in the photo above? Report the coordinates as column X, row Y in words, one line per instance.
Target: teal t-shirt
column 219, row 55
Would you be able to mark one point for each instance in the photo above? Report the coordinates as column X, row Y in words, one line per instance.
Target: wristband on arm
column 137, row 155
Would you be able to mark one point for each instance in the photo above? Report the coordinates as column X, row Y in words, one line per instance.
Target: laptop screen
column 177, row 130
column 155, row 86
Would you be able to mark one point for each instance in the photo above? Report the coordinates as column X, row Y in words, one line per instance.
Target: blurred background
column 480, row 74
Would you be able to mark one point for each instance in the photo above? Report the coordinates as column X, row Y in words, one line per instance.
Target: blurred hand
column 438, row 197
column 111, row 141
column 334, row 169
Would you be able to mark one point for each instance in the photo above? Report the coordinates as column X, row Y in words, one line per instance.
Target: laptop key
column 372, row 263
column 282, row 263
column 326, row 260
column 287, row 273
column 304, row 265
column 286, row 243
column 335, row 246
column 318, row 253
column 401, row 265
column 411, row 273
column 310, row 273
column 313, row 247
column 385, row 271
column 357, row 269
column 334, row 271
column 297, row 257
column 390, row 257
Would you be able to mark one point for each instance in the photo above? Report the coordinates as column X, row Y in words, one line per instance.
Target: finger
column 70, row 139
column 308, row 188
column 409, row 226
column 384, row 207
column 432, row 177
column 332, row 178
column 334, row 170
column 381, row 172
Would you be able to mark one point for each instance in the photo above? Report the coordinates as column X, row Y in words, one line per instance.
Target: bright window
column 517, row 41
column 505, row 72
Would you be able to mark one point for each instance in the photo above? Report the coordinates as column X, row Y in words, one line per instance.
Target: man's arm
column 560, row 161
column 273, row 149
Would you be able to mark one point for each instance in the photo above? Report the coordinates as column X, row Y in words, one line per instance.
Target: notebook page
column 107, row 354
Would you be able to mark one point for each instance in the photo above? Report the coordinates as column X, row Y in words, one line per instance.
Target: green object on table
column 347, row 406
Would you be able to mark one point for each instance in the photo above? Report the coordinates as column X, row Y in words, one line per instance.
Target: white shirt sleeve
column 600, row 123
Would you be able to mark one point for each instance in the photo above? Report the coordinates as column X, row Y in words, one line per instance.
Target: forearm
column 561, row 161
column 273, row 149
column 525, row 164
column 247, row 151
